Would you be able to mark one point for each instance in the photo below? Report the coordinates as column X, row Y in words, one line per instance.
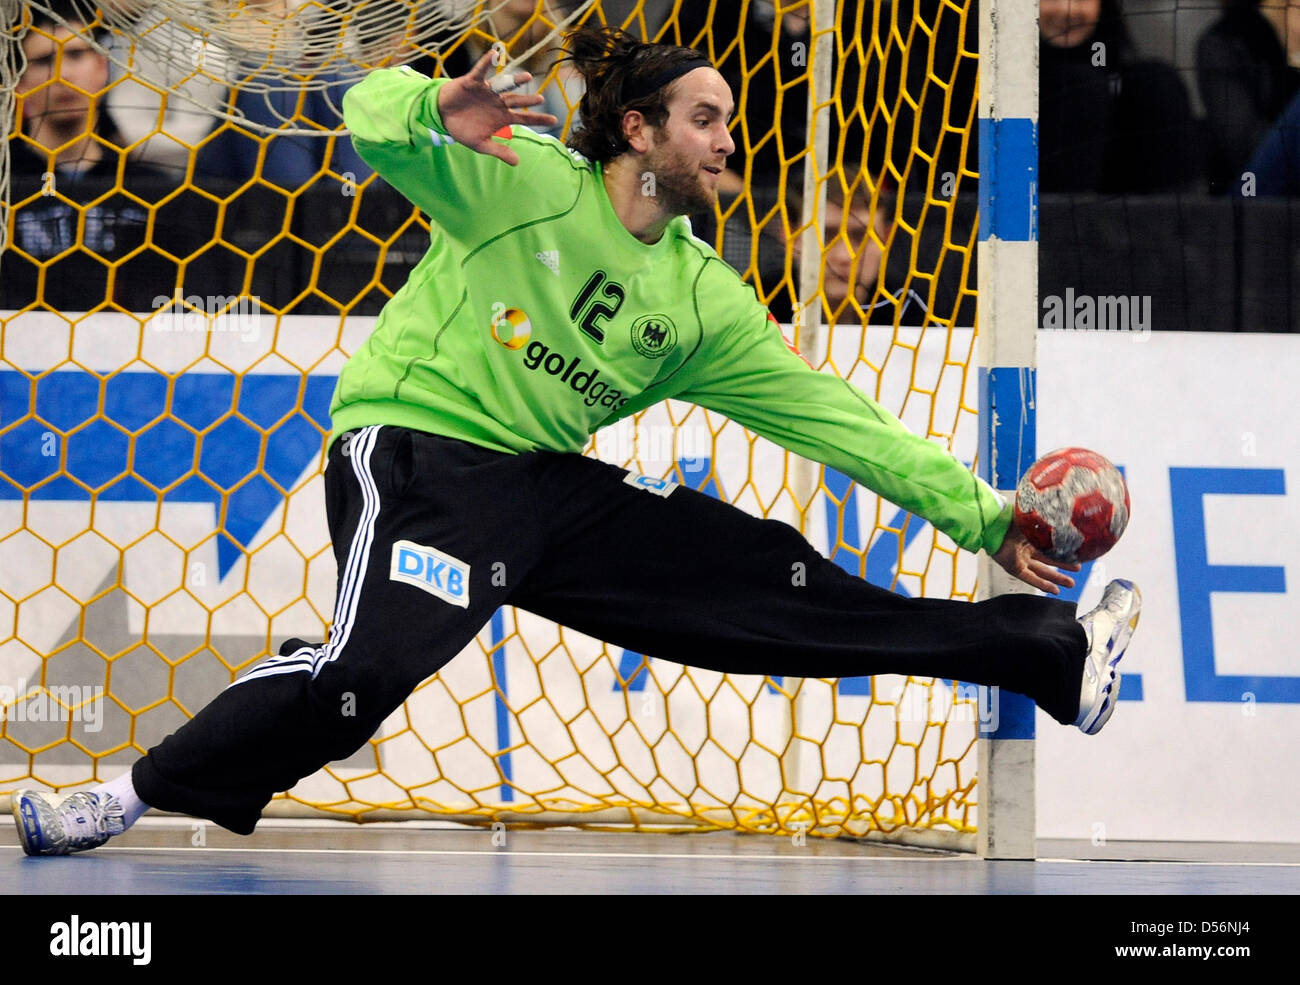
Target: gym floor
column 167, row 855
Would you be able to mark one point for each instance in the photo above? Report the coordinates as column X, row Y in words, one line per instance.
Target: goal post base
column 1008, row 830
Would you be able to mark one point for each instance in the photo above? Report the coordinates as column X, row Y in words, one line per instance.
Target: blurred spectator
column 1248, row 70
column 918, row 121
column 271, row 103
column 72, row 218
column 855, row 241
column 1276, row 164
column 764, row 52
column 60, row 127
column 1107, row 121
column 164, row 129
column 163, row 121
column 918, row 115
column 289, row 161
column 629, row 14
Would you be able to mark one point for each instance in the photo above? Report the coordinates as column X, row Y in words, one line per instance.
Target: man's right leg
column 677, row 575
column 418, row 523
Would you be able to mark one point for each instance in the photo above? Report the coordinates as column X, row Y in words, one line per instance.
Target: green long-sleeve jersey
column 536, row 318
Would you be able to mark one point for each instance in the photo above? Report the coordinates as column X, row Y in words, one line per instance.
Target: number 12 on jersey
column 588, row 311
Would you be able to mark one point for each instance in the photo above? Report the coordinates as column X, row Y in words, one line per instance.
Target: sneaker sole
column 29, row 827
column 1118, row 647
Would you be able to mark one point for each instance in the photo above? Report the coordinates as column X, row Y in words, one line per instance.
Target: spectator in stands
column 289, row 161
column 855, row 239
column 72, row 217
column 1248, row 70
column 918, row 125
column 162, row 122
column 764, row 52
column 1275, row 166
column 919, row 97
column 1108, row 121
column 629, row 14
column 164, row 129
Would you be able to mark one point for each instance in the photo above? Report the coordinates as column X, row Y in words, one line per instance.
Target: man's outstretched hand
column 1023, row 560
column 472, row 110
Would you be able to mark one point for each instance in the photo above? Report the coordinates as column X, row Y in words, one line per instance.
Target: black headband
column 634, row 89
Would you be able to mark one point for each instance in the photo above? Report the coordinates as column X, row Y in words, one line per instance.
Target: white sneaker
column 1109, row 627
column 76, row 823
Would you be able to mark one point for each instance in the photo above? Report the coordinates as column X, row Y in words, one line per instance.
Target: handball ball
column 1072, row 505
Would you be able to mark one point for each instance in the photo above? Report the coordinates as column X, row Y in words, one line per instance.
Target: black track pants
column 432, row 535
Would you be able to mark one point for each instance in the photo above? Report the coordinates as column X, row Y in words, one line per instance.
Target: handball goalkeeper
column 563, row 291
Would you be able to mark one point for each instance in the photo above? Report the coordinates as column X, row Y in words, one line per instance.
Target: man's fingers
column 1059, row 577
column 1051, row 574
column 518, row 100
column 1040, row 583
column 1024, row 561
column 495, row 149
column 1042, row 558
column 509, row 81
column 534, row 119
column 484, row 65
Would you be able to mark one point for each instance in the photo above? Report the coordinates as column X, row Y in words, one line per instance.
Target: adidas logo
column 552, row 260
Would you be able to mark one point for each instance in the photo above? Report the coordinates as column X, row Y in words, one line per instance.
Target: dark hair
column 74, row 13
column 614, row 66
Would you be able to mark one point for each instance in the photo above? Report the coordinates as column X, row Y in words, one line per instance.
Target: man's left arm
column 753, row 377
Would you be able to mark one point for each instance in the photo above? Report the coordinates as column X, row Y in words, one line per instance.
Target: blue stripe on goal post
column 1008, row 153
column 1006, row 451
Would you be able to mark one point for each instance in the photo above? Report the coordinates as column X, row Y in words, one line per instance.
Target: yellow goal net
column 192, row 249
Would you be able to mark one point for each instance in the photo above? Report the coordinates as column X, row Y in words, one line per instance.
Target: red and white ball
column 1072, row 505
